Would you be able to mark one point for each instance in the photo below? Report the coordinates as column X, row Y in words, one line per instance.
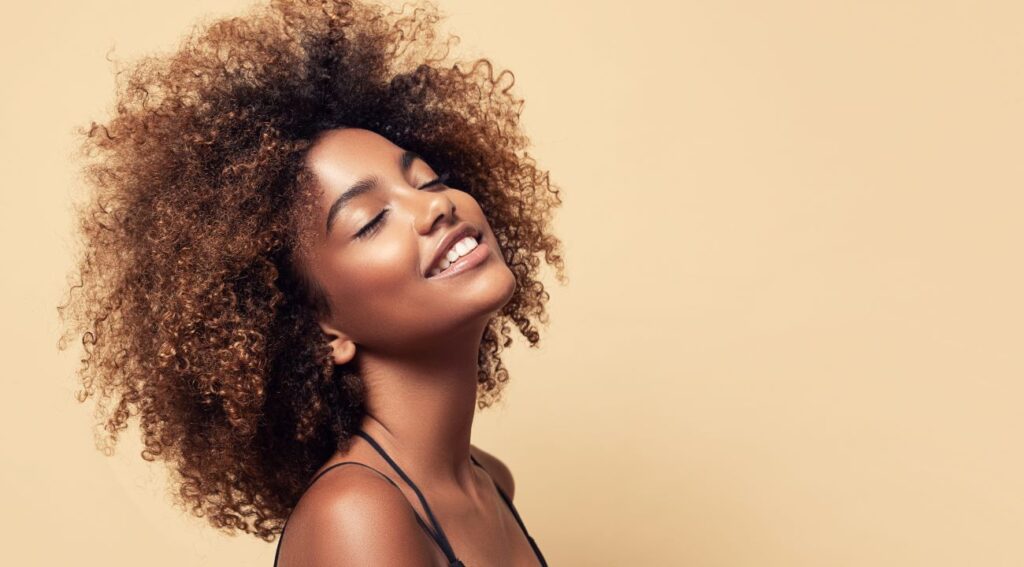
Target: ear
column 342, row 347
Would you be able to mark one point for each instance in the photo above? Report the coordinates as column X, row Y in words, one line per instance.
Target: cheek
column 384, row 268
column 466, row 207
column 465, row 204
column 368, row 285
column 470, row 210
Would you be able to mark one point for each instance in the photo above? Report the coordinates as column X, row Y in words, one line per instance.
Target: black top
column 437, row 534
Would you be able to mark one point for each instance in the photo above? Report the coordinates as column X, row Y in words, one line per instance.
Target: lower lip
column 474, row 258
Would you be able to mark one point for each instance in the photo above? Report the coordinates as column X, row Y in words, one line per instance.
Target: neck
column 420, row 409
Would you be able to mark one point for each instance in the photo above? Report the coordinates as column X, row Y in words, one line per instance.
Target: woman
column 308, row 240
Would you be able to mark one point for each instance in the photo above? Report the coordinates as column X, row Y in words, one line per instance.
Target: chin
column 484, row 297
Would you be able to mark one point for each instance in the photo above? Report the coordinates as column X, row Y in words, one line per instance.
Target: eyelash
column 374, row 225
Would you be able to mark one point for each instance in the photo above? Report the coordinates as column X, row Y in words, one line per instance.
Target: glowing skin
column 415, row 342
column 376, row 285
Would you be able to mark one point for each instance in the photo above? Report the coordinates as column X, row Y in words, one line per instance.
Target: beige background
column 793, row 330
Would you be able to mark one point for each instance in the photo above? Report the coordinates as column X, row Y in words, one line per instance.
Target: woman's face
column 384, row 220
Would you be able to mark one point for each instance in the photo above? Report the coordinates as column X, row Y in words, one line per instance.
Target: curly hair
column 187, row 294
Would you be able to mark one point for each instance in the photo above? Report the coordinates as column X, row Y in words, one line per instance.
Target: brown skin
column 415, row 341
column 352, row 516
column 214, row 319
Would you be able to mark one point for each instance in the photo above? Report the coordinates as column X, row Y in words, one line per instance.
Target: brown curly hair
column 188, row 297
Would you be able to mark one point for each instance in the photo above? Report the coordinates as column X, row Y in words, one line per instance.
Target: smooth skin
column 415, row 342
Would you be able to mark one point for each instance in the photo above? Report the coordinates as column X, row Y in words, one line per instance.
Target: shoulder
column 353, row 515
column 497, row 469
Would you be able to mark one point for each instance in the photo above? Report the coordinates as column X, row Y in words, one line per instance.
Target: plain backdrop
column 792, row 334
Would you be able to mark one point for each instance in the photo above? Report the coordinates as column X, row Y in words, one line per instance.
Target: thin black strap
column 419, row 519
column 440, row 538
column 508, row 501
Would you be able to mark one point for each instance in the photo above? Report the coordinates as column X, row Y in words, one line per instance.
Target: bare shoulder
column 497, row 469
column 353, row 516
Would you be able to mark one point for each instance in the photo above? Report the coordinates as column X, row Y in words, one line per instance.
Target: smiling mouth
column 468, row 252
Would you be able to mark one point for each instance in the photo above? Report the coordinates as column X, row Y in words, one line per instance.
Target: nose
column 432, row 207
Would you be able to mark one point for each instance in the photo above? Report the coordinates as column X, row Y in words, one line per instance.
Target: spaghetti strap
column 519, row 520
column 435, row 532
column 419, row 519
column 439, row 535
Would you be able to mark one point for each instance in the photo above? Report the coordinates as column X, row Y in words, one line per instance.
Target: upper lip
column 461, row 230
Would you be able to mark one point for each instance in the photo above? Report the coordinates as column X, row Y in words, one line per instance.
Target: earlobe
column 343, row 350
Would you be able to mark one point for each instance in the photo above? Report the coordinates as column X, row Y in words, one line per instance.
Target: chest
column 485, row 537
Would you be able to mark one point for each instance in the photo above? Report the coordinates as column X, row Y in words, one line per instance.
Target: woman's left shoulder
column 498, row 470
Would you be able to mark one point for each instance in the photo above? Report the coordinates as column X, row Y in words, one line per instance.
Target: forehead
column 342, row 156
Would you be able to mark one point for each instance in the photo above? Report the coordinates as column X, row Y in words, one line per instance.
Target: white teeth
column 459, row 249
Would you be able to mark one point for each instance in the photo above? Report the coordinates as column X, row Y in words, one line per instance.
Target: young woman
column 308, row 240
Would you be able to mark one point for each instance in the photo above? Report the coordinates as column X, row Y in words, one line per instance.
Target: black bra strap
column 419, row 519
column 440, row 538
column 515, row 513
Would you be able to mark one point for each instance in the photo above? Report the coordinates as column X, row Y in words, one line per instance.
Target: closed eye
column 374, row 225
column 440, row 180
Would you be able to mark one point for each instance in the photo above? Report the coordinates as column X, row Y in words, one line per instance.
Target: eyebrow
column 366, row 185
